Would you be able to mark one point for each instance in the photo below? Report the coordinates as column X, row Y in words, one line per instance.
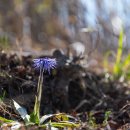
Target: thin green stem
column 39, row 93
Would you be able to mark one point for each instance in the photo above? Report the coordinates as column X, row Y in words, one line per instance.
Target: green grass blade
column 126, row 63
column 119, row 54
column 2, row 119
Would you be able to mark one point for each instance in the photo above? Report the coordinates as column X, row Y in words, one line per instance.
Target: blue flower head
column 45, row 63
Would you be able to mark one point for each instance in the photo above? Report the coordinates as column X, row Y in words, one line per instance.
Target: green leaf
column 117, row 68
column 5, row 120
column 126, row 63
column 62, row 116
column 34, row 118
column 63, row 124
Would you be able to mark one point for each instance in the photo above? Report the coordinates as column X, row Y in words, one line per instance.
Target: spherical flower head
column 45, row 63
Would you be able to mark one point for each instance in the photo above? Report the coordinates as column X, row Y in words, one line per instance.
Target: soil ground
column 70, row 88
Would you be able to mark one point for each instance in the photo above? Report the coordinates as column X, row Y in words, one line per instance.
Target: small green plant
column 92, row 120
column 42, row 64
column 60, row 120
column 122, row 65
column 107, row 115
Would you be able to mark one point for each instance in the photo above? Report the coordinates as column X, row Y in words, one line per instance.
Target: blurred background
column 44, row 25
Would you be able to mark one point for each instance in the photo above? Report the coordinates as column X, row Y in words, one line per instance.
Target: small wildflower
column 45, row 63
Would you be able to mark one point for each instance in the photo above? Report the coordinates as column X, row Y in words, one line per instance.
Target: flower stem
column 39, row 93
